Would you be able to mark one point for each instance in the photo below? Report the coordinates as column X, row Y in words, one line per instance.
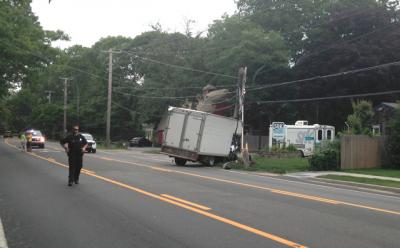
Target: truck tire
column 208, row 161
column 180, row 161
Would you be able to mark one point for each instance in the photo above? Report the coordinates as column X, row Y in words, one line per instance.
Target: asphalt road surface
column 139, row 199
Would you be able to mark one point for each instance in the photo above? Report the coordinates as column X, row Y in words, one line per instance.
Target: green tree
column 393, row 142
column 361, row 120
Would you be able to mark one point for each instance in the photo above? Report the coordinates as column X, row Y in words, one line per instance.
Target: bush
column 289, row 148
column 326, row 157
column 393, row 143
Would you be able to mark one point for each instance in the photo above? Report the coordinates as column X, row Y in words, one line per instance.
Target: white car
column 92, row 146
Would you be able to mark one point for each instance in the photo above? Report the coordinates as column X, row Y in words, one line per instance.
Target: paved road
column 135, row 199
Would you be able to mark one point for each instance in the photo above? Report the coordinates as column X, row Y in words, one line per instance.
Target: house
column 384, row 112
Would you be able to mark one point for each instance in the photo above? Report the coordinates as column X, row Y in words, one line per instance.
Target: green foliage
column 276, row 165
column 278, row 41
column 393, row 142
column 326, row 157
column 289, row 148
column 361, row 120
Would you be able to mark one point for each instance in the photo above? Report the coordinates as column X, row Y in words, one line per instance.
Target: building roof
column 391, row 105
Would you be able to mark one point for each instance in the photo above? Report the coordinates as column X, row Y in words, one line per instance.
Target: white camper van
column 303, row 136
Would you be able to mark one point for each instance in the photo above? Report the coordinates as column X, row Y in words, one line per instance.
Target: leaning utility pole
column 109, row 98
column 65, row 103
column 241, row 93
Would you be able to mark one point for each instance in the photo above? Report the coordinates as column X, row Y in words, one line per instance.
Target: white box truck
column 303, row 136
column 192, row 135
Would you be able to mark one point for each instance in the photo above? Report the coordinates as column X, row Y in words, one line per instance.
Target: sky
column 86, row 21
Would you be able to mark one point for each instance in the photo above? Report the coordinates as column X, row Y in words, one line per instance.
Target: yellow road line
column 276, row 191
column 196, row 210
column 106, row 158
column 88, row 171
column 51, row 159
column 314, row 198
column 186, row 202
column 160, row 169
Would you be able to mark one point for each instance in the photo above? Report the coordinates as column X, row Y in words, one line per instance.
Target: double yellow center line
column 194, row 207
column 272, row 190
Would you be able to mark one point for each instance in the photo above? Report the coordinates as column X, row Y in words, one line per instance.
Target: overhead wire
column 180, row 67
column 330, row 97
column 154, row 97
column 344, row 73
column 219, row 74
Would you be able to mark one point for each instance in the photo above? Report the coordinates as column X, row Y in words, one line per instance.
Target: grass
column 153, row 152
column 112, row 147
column 376, row 172
column 277, row 165
column 373, row 181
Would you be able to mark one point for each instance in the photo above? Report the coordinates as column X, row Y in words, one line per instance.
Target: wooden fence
column 361, row 151
column 256, row 142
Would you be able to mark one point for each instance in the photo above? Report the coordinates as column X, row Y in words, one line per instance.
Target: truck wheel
column 180, row 161
column 211, row 161
column 208, row 161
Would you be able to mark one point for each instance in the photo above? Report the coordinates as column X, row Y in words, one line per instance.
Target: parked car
column 37, row 138
column 7, row 134
column 140, row 142
column 92, row 146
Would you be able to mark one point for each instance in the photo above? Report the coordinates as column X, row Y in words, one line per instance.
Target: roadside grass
column 373, row 181
column 102, row 146
column 376, row 172
column 153, row 151
column 276, row 165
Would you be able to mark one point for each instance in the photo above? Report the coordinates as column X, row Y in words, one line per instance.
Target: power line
column 47, row 60
column 180, row 67
column 348, row 41
column 174, row 39
column 175, row 88
column 331, row 97
column 155, row 97
column 325, row 76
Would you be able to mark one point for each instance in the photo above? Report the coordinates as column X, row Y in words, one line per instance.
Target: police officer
column 74, row 144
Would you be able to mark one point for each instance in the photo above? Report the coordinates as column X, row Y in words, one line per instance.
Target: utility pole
column 65, row 103
column 78, row 102
column 49, row 92
column 109, row 98
column 241, row 93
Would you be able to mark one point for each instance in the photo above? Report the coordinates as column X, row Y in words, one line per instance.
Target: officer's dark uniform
column 75, row 144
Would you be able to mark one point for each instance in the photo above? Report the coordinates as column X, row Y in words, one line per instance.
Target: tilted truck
column 303, row 136
column 192, row 135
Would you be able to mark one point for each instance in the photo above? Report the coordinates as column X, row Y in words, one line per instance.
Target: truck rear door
column 192, row 132
column 174, row 130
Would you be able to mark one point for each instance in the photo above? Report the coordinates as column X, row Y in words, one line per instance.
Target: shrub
column 393, row 143
column 289, row 148
column 361, row 120
column 326, row 157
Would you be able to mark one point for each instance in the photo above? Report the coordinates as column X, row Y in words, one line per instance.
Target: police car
column 91, row 143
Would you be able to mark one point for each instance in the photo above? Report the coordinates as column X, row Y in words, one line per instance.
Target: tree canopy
column 280, row 41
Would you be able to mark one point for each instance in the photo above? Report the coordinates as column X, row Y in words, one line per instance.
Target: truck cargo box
column 198, row 136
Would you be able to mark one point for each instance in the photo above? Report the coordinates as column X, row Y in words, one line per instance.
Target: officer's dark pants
column 29, row 146
column 75, row 166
